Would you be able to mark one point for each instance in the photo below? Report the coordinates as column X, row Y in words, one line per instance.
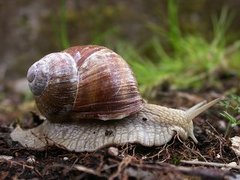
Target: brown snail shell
column 84, row 82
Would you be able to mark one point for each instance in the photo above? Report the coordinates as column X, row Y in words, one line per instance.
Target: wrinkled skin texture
column 153, row 126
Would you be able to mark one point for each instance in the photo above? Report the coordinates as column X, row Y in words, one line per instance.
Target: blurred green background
column 175, row 44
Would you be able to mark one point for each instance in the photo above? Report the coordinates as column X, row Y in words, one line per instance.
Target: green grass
column 63, row 26
column 59, row 25
column 231, row 106
column 184, row 60
column 191, row 60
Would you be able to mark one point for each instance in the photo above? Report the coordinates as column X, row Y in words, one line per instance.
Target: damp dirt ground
column 211, row 158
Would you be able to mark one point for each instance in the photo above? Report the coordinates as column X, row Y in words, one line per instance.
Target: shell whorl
column 84, row 82
column 37, row 77
column 49, row 67
column 53, row 81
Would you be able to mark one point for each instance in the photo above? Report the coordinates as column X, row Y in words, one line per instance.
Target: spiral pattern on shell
column 84, row 82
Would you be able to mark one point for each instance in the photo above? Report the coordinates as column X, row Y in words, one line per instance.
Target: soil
column 211, row 158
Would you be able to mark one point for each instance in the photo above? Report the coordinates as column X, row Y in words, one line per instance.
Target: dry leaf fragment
column 235, row 145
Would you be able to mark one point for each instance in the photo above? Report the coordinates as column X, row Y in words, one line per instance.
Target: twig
column 76, row 160
column 205, row 173
column 196, row 152
column 87, row 170
column 122, row 165
column 165, row 148
column 17, row 163
column 23, row 166
column 210, row 164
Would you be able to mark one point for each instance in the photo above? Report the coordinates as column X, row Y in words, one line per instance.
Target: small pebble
column 65, row 158
column 234, row 164
column 230, row 166
column 113, row 151
column 31, row 160
column 222, row 125
column 235, row 145
column 6, row 157
column 144, row 157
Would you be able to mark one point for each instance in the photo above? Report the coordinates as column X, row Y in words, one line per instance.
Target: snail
column 90, row 99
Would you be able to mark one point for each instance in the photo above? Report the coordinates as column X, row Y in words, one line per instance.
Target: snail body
column 89, row 84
